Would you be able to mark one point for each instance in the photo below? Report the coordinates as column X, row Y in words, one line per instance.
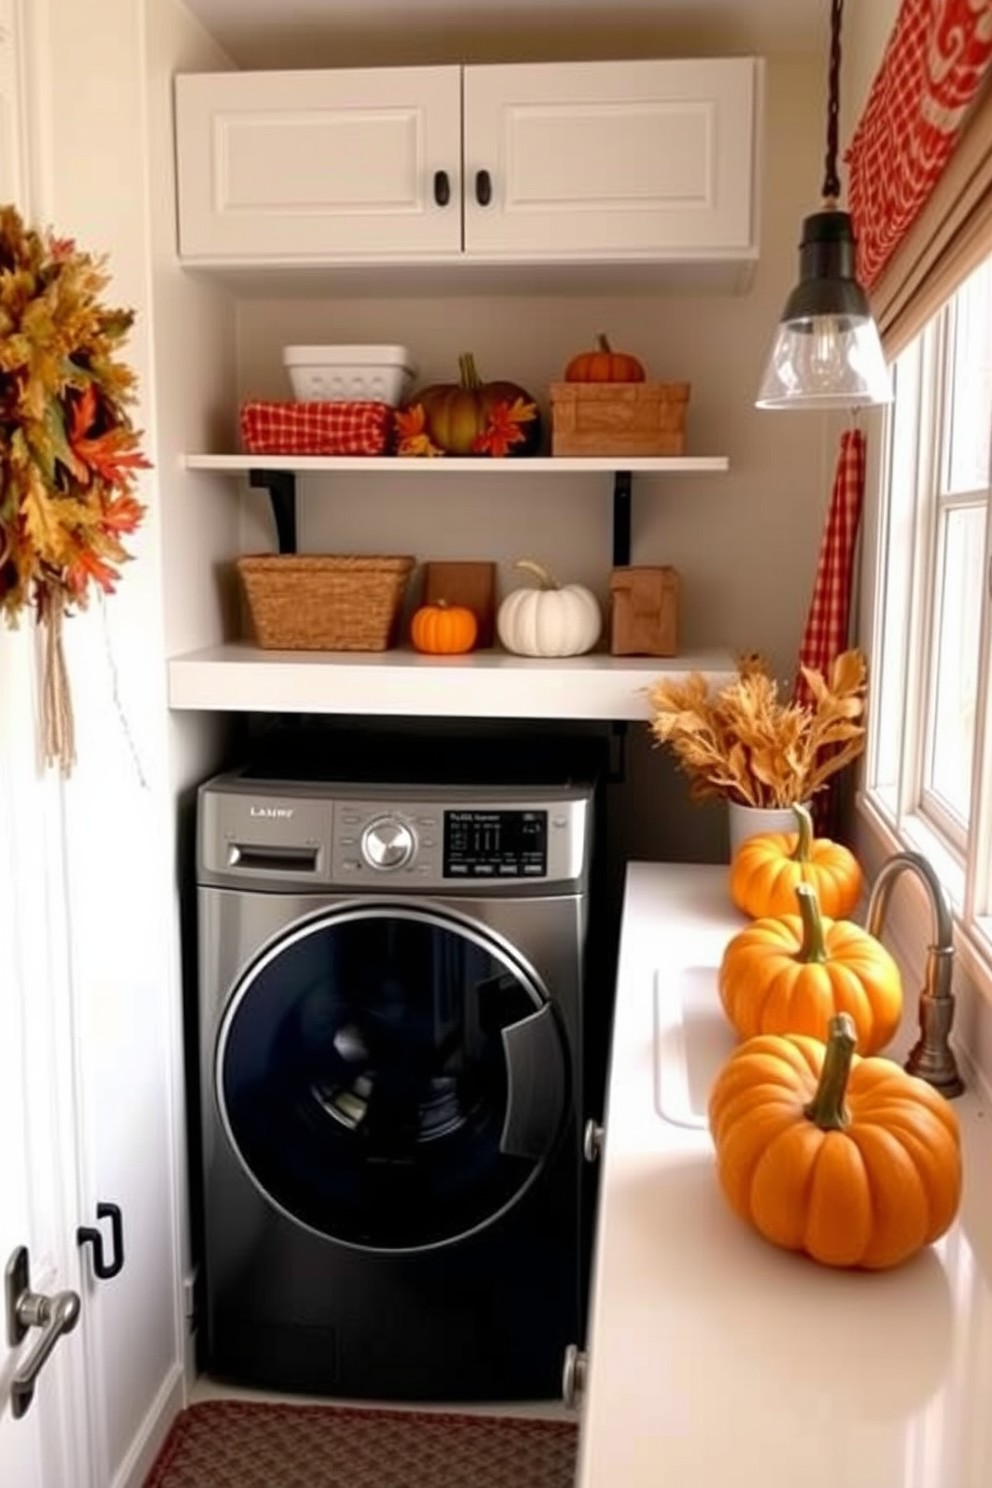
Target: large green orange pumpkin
column 767, row 868
column 792, row 973
column 850, row 1160
column 460, row 414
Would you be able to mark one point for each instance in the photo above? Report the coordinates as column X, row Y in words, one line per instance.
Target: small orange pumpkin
column 767, row 868
column 849, row 1160
column 792, row 973
column 604, row 365
column 443, row 630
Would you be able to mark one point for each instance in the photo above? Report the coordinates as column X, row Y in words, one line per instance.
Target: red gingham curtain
column 827, row 622
column 934, row 65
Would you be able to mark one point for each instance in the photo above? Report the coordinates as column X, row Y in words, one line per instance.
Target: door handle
column 87, row 1235
column 26, row 1309
column 483, row 188
column 536, row 1085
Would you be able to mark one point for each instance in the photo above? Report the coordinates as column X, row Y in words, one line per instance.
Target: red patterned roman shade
column 932, row 71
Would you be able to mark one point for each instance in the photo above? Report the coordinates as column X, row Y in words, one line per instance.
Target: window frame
column 906, row 810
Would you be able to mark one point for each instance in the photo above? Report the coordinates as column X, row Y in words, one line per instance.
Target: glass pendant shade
column 827, row 353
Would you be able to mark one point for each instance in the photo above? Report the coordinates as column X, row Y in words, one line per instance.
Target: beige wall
column 867, row 27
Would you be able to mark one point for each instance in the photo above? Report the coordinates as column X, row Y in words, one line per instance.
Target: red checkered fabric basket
column 316, row 428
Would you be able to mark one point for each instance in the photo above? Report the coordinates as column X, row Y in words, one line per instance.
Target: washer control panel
column 291, row 834
column 435, row 843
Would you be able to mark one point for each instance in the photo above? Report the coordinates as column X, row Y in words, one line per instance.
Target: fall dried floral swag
column 745, row 743
column 68, row 452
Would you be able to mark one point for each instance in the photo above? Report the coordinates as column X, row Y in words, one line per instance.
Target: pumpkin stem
column 827, row 1107
column 813, row 947
column 470, row 379
column 804, row 825
column 545, row 578
column 602, row 344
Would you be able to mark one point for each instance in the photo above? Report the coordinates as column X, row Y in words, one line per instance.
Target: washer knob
column 387, row 843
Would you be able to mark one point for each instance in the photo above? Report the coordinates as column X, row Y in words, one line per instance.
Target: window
column 929, row 765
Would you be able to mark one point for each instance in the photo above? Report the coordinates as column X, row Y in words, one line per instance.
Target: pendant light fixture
column 827, row 352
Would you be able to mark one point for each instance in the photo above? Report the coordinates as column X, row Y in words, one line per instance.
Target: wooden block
column 472, row 584
column 644, row 611
column 618, row 418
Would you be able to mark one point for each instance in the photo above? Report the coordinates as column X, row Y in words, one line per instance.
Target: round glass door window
column 391, row 1077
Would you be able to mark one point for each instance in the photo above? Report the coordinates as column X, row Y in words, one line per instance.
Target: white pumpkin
column 551, row 620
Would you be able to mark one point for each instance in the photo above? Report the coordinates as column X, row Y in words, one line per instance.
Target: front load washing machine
column 390, row 1016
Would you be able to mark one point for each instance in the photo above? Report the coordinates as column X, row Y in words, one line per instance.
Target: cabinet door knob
column 483, row 188
column 442, row 188
column 573, row 1377
column 592, row 1141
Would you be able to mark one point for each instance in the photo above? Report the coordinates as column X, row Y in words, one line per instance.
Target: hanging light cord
column 831, row 180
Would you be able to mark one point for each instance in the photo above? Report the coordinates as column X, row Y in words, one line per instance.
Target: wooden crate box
column 469, row 583
column 618, row 418
column 644, row 606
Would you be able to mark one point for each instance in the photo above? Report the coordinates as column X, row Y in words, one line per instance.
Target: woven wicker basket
column 324, row 603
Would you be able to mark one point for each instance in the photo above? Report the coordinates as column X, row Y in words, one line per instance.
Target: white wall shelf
column 457, row 464
column 483, row 684
column 239, row 677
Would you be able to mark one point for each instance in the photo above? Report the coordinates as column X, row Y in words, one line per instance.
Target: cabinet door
column 313, row 166
column 650, row 160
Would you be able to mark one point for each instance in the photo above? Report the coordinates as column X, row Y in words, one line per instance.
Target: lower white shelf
column 483, row 684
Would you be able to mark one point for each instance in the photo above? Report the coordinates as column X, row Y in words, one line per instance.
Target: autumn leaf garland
column 69, row 455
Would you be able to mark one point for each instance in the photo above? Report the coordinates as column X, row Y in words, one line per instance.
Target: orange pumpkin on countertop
column 604, row 365
column 768, row 867
column 443, row 630
column 849, row 1160
column 791, row 974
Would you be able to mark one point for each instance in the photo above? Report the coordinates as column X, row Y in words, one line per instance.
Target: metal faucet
column 931, row 1057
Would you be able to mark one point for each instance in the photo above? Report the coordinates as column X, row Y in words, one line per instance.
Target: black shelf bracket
column 281, row 486
column 622, row 486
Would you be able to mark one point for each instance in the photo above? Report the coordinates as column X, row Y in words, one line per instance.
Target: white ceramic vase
column 747, row 821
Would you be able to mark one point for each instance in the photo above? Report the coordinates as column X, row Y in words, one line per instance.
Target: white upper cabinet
column 318, row 165
column 611, row 159
column 645, row 161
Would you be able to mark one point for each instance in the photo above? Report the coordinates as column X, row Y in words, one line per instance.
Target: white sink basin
column 692, row 1040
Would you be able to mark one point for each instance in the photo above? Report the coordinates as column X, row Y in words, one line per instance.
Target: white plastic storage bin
column 359, row 374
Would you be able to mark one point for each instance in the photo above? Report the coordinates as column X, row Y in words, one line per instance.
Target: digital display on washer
column 495, row 844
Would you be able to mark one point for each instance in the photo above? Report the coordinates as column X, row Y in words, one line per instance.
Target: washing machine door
column 392, row 1076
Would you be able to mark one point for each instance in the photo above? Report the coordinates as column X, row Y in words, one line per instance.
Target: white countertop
column 716, row 1359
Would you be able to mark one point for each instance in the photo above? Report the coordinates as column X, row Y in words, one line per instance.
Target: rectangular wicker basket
column 324, row 602
column 618, row 418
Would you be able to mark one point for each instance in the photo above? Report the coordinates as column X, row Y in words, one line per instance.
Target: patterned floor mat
column 239, row 1444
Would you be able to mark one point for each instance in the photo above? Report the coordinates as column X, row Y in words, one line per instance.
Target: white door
column 45, row 1444
column 625, row 160
column 311, row 166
